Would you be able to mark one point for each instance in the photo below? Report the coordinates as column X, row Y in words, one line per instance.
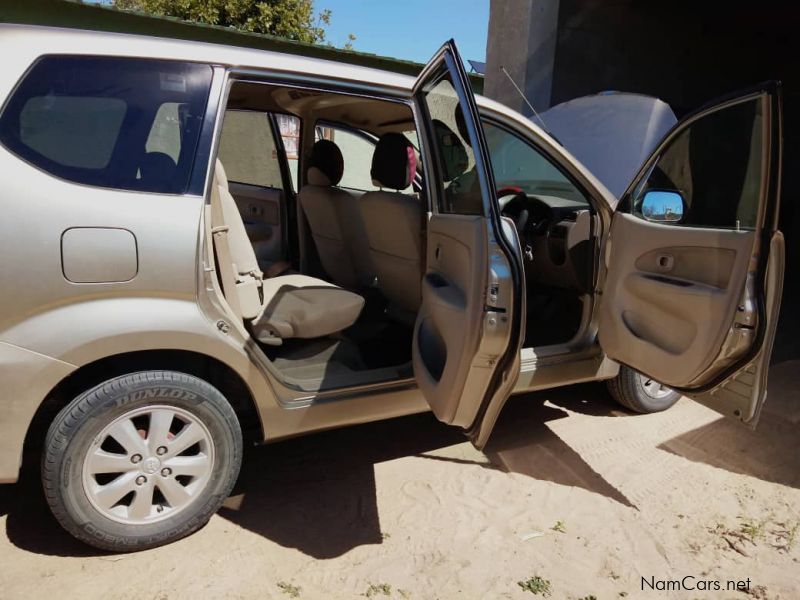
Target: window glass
column 112, row 122
column 460, row 187
column 165, row 134
column 411, row 136
column 51, row 125
column 357, row 151
column 289, row 126
column 247, row 149
column 715, row 164
column 516, row 163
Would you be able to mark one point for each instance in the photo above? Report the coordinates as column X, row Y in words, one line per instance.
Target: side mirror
column 662, row 206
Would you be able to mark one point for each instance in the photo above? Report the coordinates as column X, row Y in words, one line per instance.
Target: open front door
column 695, row 261
column 467, row 335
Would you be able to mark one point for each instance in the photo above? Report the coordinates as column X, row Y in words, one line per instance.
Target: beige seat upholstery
column 335, row 220
column 289, row 306
column 298, row 306
column 394, row 223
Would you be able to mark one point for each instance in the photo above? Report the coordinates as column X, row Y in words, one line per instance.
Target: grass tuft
column 536, row 585
column 291, row 590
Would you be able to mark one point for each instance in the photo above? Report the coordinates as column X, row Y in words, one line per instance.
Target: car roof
column 39, row 40
column 27, row 42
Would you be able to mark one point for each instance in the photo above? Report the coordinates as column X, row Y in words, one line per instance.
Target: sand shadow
column 771, row 452
column 317, row 493
column 30, row 524
column 522, row 442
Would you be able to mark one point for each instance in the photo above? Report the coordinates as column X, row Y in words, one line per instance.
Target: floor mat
column 389, row 346
column 553, row 317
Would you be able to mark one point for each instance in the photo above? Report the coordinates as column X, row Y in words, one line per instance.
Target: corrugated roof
column 72, row 14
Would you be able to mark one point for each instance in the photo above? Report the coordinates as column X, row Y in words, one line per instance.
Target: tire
column 119, row 437
column 632, row 390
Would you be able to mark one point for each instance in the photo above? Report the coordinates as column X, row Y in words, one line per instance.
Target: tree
column 292, row 19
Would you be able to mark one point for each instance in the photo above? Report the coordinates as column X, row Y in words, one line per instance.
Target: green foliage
column 292, row 19
column 378, row 589
column 293, row 591
column 752, row 529
column 792, row 536
column 536, row 585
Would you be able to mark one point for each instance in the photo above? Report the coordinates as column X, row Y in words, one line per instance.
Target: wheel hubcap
column 653, row 388
column 148, row 464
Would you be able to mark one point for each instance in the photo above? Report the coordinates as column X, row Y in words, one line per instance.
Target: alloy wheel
column 148, row 464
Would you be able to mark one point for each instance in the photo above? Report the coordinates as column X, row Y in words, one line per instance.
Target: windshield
column 516, row 163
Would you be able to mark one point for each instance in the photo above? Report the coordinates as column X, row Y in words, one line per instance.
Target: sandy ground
column 570, row 490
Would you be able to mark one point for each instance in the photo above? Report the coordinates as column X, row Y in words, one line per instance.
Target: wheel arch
column 219, row 374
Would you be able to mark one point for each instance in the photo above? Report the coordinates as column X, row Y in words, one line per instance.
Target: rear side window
column 120, row 123
column 357, row 151
column 247, row 149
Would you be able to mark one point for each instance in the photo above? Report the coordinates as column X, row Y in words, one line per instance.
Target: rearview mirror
column 663, row 207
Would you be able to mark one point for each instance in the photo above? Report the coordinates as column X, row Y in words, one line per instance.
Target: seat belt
column 219, row 234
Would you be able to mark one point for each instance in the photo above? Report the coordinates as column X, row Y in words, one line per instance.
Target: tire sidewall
column 647, row 402
column 72, row 438
column 644, row 402
column 627, row 388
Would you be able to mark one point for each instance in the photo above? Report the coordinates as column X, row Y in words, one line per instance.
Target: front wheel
column 641, row 393
column 141, row 460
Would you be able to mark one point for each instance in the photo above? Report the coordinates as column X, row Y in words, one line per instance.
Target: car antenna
column 519, row 91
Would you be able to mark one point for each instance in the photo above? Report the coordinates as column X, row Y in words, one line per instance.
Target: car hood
column 610, row 133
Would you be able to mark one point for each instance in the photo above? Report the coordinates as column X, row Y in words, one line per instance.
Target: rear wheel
column 641, row 393
column 141, row 460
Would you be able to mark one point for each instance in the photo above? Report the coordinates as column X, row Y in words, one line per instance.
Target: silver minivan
column 206, row 246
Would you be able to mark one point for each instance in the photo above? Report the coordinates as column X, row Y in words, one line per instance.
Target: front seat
column 335, row 220
column 393, row 221
column 278, row 308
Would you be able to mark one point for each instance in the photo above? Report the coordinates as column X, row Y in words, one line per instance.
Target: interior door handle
column 665, row 262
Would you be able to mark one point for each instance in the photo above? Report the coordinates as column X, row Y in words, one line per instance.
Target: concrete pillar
column 522, row 38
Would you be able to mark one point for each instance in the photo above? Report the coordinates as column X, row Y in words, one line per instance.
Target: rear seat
column 278, row 308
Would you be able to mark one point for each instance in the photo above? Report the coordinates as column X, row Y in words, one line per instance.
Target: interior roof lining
column 375, row 115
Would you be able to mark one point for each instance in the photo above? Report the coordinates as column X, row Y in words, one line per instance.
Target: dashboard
column 555, row 234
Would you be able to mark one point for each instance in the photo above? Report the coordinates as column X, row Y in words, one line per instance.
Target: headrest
column 455, row 160
column 157, row 170
column 326, row 164
column 220, row 177
column 394, row 162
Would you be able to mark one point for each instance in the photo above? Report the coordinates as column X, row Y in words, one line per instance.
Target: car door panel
column 734, row 397
column 446, row 337
column 691, row 300
column 467, row 334
column 663, row 283
column 261, row 209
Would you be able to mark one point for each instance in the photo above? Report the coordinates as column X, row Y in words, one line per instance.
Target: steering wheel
column 514, row 204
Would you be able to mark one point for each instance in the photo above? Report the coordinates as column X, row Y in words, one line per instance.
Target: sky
column 409, row 29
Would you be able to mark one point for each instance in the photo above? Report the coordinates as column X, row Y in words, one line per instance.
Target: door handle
column 665, row 262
